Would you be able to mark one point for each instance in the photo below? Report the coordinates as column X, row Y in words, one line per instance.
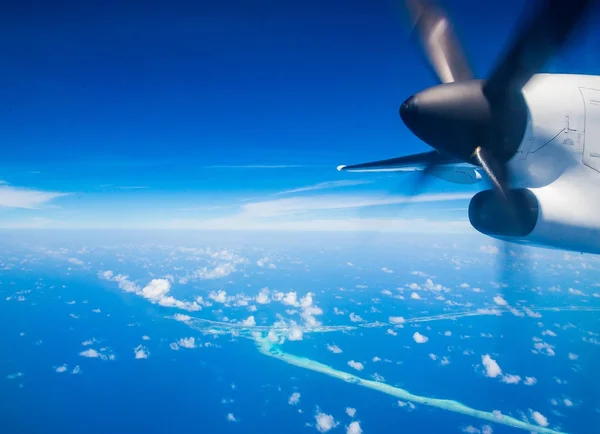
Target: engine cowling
column 489, row 214
column 562, row 215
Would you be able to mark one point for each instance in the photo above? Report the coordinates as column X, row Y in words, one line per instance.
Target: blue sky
column 210, row 115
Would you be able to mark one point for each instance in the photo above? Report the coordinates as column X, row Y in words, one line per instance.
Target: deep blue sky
column 98, row 96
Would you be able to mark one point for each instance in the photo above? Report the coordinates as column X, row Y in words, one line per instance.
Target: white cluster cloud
column 249, row 322
column 76, row 261
column 354, row 428
column 218, row 296
column 223, row 263
column 576, row 291
column 443, row 361
column 155, row 291
column 263, row 296
column 511, row 379
column 539, row 418
column 490, row 250
column 184, row 343
column 295, row 333
column 294, row 399
column 500, row 301
column 309, row 310
column 102, row 354
column 288, row 299
column 531, row 313
column 379, row 378
column 307, row 300
column 187, row 342
column 122, row 280
column 217, row 272
column 356, row 365
column 406, row 404
column 350, row 411
column 355, row 318
column 485, row 429
column 419, row 338
column 431, row 286
column 265, row 262
column 334, row 349
column 542, row 347
column 492, row 369
column 325, row 422
column 272, row 336
column 141, row 352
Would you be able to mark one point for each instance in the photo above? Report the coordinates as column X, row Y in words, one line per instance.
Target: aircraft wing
column 447, row 168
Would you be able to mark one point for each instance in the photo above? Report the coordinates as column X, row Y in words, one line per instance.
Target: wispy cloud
column 290, row 206
column 16, row 197
column 123, row 187
column 313, row 212
column 255, row 166
column 324, row 225
column 32, row 223
column 299, row 214
column 323, row 186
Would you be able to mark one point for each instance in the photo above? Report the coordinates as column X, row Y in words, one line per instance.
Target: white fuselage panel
column 591, row 151
column 559, row 160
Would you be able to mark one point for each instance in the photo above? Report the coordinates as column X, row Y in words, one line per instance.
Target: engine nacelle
column 489, row 214
column 563, row 215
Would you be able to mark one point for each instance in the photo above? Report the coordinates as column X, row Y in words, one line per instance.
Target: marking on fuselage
column 549, row 141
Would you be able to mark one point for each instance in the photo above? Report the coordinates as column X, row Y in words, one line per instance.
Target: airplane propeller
column 483, row 122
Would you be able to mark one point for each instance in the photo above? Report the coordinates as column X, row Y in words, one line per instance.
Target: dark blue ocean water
column 196, row 389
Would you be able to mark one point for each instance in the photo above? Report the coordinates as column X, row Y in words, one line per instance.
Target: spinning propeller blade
column 439, row 41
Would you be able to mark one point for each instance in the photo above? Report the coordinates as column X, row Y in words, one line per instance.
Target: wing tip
column 341, row 167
